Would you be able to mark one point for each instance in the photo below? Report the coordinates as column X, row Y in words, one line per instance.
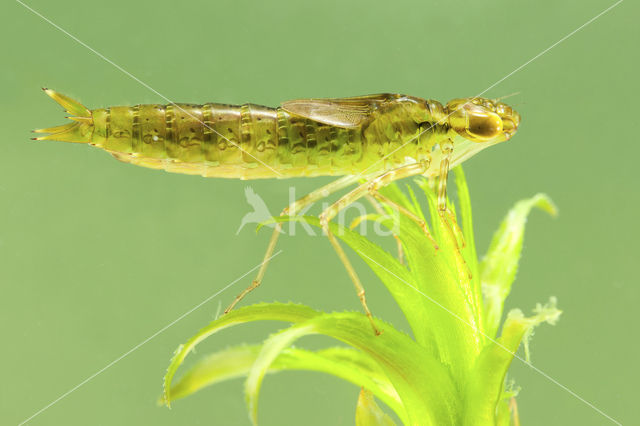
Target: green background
column 96, row 255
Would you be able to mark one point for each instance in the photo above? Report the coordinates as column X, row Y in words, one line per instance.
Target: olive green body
column 363, row 135
column 252, row 141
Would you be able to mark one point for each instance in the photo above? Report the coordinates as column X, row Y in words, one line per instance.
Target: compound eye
column 476, row 123
column 484, row 125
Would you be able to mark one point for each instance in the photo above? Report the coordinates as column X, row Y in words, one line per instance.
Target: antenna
column 507, row 96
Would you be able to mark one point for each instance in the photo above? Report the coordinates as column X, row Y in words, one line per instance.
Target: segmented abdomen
column 247, row 141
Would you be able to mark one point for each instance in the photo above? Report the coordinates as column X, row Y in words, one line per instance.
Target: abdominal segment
column 218, row 140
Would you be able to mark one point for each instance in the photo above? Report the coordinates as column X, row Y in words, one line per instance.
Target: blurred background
column 97, row 255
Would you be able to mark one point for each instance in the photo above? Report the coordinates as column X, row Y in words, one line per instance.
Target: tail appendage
column 79, row 130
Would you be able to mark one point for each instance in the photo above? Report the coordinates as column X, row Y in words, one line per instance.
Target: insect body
column 378, row 138
column 314, row 137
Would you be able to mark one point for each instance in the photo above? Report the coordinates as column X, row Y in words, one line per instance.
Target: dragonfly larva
column 378, row 138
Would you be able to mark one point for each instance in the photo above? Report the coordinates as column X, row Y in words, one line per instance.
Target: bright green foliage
column 450, row 371
column 368, row 413
column 498, row 268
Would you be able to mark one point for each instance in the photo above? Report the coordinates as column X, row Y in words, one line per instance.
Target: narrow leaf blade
column 263, row 311
column 499, row 266
column 368, row 413
column 348, row 364
column 404, row 362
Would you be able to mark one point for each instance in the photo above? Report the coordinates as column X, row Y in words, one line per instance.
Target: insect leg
column 421, row 223
column 362, row 190
column 446, row 214
column 443, row 210
column 298, row 205
column 378, row 208
column 447, row 150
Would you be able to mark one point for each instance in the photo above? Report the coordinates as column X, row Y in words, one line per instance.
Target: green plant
column 451, row 371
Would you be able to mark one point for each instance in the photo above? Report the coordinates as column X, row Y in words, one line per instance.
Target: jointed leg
column 447, row 150
column 421, row 223
column 354, row 195
column 378, row 208
column 445, row 213
column 300, row 204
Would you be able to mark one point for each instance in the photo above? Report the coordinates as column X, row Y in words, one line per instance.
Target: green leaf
column 435, row 290
column 394, row 193
column 348, row 364
column 431, row 292
column 499, row 266
column 416, row 205
column 503, row 413
column 368, row 413
column 443, row 280
column 263, row 311
column 517, row 328
column 404, row 362
column 466, row 218
column 395, row 276
column 218, row 367
column 452, row 373
column 485, row 387
column 428, row 187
